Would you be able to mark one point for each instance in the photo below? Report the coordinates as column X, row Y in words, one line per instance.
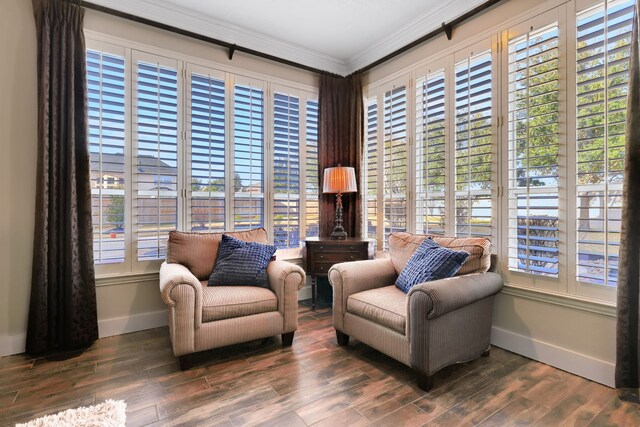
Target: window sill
column 126, row 278
column 604, row 308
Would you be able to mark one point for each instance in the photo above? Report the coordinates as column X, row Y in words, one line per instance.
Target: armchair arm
column 349, row 278
column 446, row 295
column 285, row 279
column 181, row 291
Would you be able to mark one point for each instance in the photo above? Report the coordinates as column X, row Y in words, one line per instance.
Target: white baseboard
column 585, row 366
column 12, row 344
column 133, row 323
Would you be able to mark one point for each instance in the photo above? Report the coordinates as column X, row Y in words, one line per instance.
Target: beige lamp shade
column 339, row 180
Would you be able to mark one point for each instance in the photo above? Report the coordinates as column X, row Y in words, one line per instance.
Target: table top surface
column 330, row 240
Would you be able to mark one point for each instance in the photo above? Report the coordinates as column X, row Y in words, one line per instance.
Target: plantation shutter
column 430, row 154
column 248, row 179
column 207, row 168
column 286, row 167
column 533, row 152
column 156, row 156
column 371, row 170
column 106, row 117
column 312, row 184
column 395, row 162
column 603, row 48
column 473, row 146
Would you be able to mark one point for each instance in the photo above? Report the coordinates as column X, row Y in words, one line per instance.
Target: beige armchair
column 436, row 324
column 203, row 317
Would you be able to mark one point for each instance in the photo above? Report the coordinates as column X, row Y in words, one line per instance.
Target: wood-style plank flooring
column 314, row 382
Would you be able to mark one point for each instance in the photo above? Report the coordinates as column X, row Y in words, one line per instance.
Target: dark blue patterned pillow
column 241, row 263
column 430, row 262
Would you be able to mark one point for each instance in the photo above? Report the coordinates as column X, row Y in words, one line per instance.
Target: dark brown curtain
column 62, row 312
column 628, row 325
column 340, row 141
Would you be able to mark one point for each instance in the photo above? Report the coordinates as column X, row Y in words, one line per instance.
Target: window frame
column 445, row 66
column 564, row 289
column 130, row 50
column 532, row 281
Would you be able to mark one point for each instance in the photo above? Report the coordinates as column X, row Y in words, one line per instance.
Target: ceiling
column 340, row 36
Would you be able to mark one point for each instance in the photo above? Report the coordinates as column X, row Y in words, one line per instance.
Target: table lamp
column 339, row 180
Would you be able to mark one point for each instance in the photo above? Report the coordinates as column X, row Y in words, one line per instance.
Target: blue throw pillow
column 241, row 263
column 430, row 262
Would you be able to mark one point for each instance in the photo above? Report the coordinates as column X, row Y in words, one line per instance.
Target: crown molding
column 209, row 26
column 415, row 29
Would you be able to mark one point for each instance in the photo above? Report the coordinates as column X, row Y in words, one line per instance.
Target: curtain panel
column 62, row 312
column 628, row 323
column 341, row 127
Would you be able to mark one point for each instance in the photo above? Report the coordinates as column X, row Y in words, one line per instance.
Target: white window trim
column 565, row 288
column 132, row 270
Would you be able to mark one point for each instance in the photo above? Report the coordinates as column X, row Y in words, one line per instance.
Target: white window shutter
column 155, row 163
column 533, row 152
column 249, row 152
column 430, row 153
column 602, row 55
column 473, row 146
column 106, row 117
column 207, row 117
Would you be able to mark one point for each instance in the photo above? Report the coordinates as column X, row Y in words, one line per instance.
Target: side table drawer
column 337, row 257
column 333, row 247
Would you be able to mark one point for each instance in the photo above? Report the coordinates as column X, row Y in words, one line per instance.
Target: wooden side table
column 323, row 252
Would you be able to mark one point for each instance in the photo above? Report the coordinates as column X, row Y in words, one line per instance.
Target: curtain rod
column 446, row 28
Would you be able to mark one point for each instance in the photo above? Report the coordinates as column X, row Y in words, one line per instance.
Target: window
column 533, row 152
column 409, row 175
column 430, row 153
column 371, row 170
column 156, row 155
column 106, row 110
column 207, row 133
column 178, row 145
column 248, row 203
column 394, row 197
column 540, row 172
column 312, row 177
column 602, row 60
column 473, row 146
column 286, row 166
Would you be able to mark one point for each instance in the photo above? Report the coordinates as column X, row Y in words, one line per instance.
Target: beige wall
column 574, row 339
column 121, row 307
column 17, row 166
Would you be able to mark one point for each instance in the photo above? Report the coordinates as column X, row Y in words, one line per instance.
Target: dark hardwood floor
column 314, row 382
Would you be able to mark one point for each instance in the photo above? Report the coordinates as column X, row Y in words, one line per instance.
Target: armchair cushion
column 227, row 302
column 199, row 251
column 241, row 263
column 386, row 306
column 402, row 245
column 430, row 262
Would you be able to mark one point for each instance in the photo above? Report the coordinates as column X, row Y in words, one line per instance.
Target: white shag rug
column 110, row 413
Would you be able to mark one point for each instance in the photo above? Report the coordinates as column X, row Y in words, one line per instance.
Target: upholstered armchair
column 203, row 317
column 436, row 324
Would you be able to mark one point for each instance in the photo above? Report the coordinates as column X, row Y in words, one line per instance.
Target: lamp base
column 338, row 234
column 338, row 229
